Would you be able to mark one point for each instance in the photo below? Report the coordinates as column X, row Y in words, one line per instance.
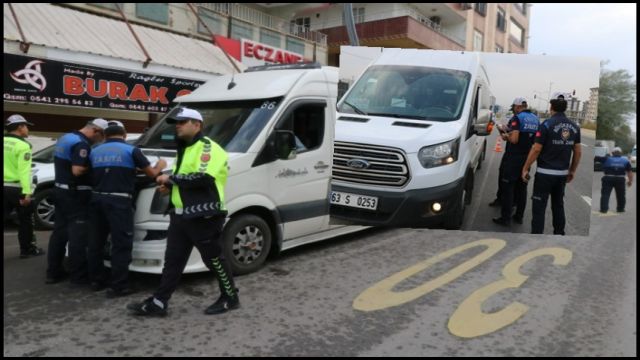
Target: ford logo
column 358, row 164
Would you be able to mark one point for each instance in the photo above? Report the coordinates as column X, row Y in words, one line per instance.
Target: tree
column 616, row 100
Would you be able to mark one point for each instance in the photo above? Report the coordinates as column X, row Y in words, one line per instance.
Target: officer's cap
column 115, row 123
column 617, row 150
column 519, row 101
column 16, row 119
column 99, row 123
column 560, row 96
column 181, row 114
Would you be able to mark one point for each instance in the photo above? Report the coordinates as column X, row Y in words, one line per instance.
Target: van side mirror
column 484, row 123
column 285, row 145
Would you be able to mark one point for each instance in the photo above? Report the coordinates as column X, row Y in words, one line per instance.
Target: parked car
column 44, row 176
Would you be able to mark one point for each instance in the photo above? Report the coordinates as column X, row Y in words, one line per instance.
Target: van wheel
column 44, row 209
column 247, row 241
column 454, row 220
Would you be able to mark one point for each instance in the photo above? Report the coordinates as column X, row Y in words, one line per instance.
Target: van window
column 415, row 92
column 234, row 125
column 307, row 124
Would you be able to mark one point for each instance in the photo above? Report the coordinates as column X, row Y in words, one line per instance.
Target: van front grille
column 370, row 164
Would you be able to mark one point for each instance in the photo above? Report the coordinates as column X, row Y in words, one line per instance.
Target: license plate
column 353, row 200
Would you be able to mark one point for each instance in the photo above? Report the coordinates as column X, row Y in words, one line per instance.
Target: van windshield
column 234, row 125
column 414, row 92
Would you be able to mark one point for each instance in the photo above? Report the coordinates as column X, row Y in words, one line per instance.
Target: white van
column 410, row 136
column 277, row 124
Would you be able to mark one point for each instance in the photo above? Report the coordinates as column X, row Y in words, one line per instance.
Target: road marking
column 587, row 199
column 585, row 145
column 604, row 215
column 470, row 321
column 381, row 295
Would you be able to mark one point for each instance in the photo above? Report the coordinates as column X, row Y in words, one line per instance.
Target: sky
column 603, row 31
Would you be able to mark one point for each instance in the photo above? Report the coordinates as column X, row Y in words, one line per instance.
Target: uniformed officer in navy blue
column 71, row 197
column 614, row 169
column 519, row 136
column 111, row 209
column 557, row 139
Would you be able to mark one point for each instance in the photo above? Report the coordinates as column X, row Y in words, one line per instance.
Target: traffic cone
column 498, row 147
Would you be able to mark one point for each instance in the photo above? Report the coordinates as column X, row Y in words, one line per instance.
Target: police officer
column 71, row 196
column 197, row 195
column 17, row 182
column 614, row 168
column 113, row 165
column 519, row 136
column 556, row 140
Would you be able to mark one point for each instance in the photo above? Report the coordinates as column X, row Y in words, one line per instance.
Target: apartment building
column 488, row 27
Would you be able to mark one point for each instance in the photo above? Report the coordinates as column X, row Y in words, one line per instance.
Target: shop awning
column 63, row 28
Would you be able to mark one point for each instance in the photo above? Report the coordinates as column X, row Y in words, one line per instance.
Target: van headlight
column 440, row 154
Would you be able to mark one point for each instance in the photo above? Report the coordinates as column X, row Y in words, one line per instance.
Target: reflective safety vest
column 17, row 163
column 199, row 181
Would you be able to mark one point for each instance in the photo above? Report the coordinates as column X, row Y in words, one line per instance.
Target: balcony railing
column 262, row 19
column 406, row 12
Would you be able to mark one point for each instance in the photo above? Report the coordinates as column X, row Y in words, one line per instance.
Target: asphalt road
column 332, row 299
column 381, row 292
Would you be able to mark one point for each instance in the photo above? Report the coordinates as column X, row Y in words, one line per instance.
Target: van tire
column 247, row 242
column 456, row 217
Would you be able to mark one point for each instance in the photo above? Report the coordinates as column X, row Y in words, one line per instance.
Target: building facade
column 487, row 27
column 68, row 63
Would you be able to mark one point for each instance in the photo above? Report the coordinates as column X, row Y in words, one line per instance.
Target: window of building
column 477, row 40
column 270, row 38
column 295, row 46
column 306, row 22
column 502, row 20
column 499, row 49
column 522, row 7
column 300, row 25
column 358, row 15
column 516, row 32
column 157, row 12
column 481, row 8
column 211, row 19
column 240, row 30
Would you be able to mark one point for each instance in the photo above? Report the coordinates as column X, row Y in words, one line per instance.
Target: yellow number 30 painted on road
column 468, row 320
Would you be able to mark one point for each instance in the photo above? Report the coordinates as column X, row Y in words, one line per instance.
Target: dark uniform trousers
column 543, row 186
column 609, row 183
column 26, row 237
column 109, row 214
column 513, row 189
column 70, row 226
column 203, row 233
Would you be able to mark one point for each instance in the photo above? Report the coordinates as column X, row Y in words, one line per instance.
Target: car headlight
column 439, row 154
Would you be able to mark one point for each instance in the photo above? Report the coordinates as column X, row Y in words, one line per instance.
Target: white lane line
column 587, row 199
column 585, row 145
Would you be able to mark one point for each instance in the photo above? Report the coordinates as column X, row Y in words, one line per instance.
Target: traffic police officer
column 71, row 196
column 17, row 182
column 555, row 141
column 614, row 168
column 197, row 193
column 113, row 165
column 519, row 136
